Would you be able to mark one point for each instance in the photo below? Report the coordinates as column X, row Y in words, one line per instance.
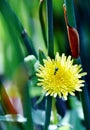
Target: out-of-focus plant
column 43, row 63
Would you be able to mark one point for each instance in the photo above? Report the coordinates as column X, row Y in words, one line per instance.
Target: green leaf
column 41, row 56
column 70, row 13
column 50, row 43
column 14, row 23
column 41, row 18
column 48, row 112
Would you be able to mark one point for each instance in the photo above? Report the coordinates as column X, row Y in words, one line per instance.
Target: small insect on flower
column 60, row 77
column 56, row 69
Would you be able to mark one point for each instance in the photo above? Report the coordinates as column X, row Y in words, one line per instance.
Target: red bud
column 7, row 103
column 74, row 41
column 73, row 37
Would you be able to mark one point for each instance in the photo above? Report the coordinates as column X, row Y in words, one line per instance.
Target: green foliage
column 30, row 30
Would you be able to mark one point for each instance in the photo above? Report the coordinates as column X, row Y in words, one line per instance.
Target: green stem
column 84, row 95
column 86, row 106
column 13, row 22
column 50, row 42
column 26, row 102
column 70, row 13
column 42, row 22
column 48, row 98
column 50, row 45
column 48, row 112
column 54, row 111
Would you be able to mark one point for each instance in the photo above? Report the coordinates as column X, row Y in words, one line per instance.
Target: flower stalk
column 84, row 95
column 70, row 13
column 50, row 45
column 42, row 22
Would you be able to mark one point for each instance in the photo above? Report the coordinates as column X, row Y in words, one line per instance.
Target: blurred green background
column 13, row 49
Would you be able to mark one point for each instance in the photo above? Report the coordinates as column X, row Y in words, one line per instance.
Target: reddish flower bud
column 73, row 37
column 7, row 103
column 73, row 41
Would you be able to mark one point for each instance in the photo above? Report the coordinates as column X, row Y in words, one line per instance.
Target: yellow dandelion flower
column 60, row 77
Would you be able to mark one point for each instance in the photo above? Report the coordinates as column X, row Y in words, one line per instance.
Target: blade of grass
column 13, row 22
column 26, row 102
column 42, row 22
column 84, row 94
column 70, row 13
column 48, row 112
column 50, row 45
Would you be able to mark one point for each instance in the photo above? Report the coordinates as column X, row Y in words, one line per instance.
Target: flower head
column 60, row 77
